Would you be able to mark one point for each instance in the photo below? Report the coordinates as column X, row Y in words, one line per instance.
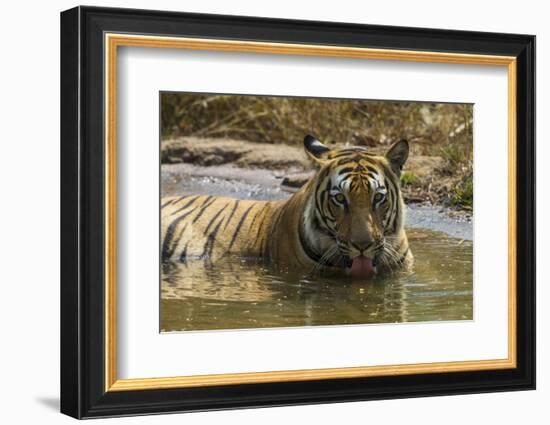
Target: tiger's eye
column 340, row 198
column 378, row 197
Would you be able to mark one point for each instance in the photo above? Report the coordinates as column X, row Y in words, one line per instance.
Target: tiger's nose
column 362, row 244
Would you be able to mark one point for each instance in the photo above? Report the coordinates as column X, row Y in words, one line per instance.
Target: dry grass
column 268, row 119
column 434, row 129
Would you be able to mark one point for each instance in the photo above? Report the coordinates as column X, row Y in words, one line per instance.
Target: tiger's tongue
column 362, row 267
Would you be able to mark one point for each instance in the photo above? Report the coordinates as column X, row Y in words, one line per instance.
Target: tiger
column 348, row 217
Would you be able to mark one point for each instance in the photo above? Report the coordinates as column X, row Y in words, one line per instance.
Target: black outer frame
column 82, row 219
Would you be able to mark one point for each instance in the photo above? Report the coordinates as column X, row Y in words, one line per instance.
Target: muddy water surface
column 237, row 293
column 198, row 296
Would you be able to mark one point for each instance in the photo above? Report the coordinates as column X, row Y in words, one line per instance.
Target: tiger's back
column 209, row 227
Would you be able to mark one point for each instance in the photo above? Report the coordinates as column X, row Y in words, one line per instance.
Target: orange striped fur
column 352, row 206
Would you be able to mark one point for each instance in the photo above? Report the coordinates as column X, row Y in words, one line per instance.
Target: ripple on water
column 200, row 296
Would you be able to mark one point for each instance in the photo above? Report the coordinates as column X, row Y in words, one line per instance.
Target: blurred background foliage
column 441, row 127
column 434, row 129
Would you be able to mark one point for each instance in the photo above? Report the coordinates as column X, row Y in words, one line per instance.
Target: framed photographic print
column 261, row 212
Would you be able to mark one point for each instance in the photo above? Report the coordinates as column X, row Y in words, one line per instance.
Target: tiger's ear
column 397, row 156
column 315, row 149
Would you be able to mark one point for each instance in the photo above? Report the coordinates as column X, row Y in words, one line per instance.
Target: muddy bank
column 261, row 184
column 439, row 220
column 208, row 152
column 425, row 179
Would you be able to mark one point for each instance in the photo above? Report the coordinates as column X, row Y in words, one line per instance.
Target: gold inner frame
column 113, row 41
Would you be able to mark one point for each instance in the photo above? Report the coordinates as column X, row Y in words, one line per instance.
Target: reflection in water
column 234, row 293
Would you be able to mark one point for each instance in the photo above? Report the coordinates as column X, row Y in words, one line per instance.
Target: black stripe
column 204, row 206
column 275, row 223
column 209, row 244
column 260, row 227
column 317, row 226
column 183, row 255
column 357, row 153
column 166, row 203
column 255, row 217
column 176, row 241
column 238, row 228
column 345, row 170
column 317, row 196
column 320, row 181
column 310, row 252
column 347, row 151
column 391, row 210
column 320, row 204
column 372, row 175
column 388, row 201
column 231, row 215
column 393, row 206
column 326, row 199
column 214, row 218
column 396, row 207
column 330, row 213
column 346, row 161
column 181, row 198
column 371, row 167
column 166, row 251
column 273, row 229
column 390, row 175
column 187, row 204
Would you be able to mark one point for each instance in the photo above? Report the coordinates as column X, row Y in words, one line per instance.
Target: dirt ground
column 425, row 179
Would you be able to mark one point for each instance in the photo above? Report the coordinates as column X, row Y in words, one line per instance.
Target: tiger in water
column 348, row 216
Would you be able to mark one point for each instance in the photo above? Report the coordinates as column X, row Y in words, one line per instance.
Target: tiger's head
column 354, row 213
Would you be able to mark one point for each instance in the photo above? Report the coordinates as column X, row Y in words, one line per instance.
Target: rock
column 297, row 180
column 218, row 151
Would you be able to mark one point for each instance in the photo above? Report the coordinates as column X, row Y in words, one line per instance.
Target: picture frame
column 90, row 40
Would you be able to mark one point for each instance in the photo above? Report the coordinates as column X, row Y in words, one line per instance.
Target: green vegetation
column 408, row 178
column 458, row 157
column 463, row 195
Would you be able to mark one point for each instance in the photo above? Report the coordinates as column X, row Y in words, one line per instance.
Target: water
column 239, row 294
